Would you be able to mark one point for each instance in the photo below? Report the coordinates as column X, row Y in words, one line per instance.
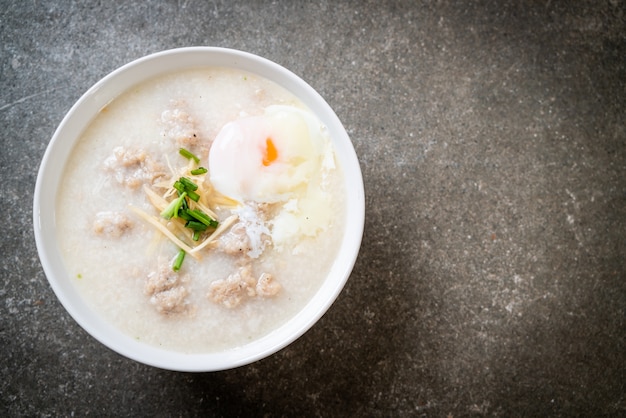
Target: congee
column 201, row 209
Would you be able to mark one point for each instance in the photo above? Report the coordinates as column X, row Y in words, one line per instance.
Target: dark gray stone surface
column 492, row 139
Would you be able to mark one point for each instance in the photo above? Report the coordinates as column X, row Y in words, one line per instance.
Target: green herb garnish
column 199, row 170
column 193, row 195
column 188, row 155
column 196, row 226
column 180, row 187
column 195, row 219
column 189, row 185
column 185, row 185
column 203, row 217
column 171, row 211
column 178, row 261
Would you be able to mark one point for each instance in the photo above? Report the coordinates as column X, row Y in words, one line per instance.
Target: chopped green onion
column 196, row 235
column 193, row 195
column 196, row 226
column 203, row 217
column 181, row 203
column 178, row 261
column 189, row 185
column 186, row 185
column 179, row 186
column 185, row 206
column 182, row 214
column 188, row 155
column 171, row 211
column 199, row 170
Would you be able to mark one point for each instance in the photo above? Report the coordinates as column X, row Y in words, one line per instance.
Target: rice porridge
column 200, row 210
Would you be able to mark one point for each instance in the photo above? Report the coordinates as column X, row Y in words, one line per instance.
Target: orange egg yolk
column 270, row 154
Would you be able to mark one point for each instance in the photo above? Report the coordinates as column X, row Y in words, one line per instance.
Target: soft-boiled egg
column 266, row 158
column 277, row 157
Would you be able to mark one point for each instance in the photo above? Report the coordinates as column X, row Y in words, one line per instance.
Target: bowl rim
column 79, row 117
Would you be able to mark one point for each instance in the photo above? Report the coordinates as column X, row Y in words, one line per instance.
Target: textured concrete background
column 492, row 138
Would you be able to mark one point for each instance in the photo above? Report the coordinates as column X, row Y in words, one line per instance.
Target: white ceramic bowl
column 70, row 129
